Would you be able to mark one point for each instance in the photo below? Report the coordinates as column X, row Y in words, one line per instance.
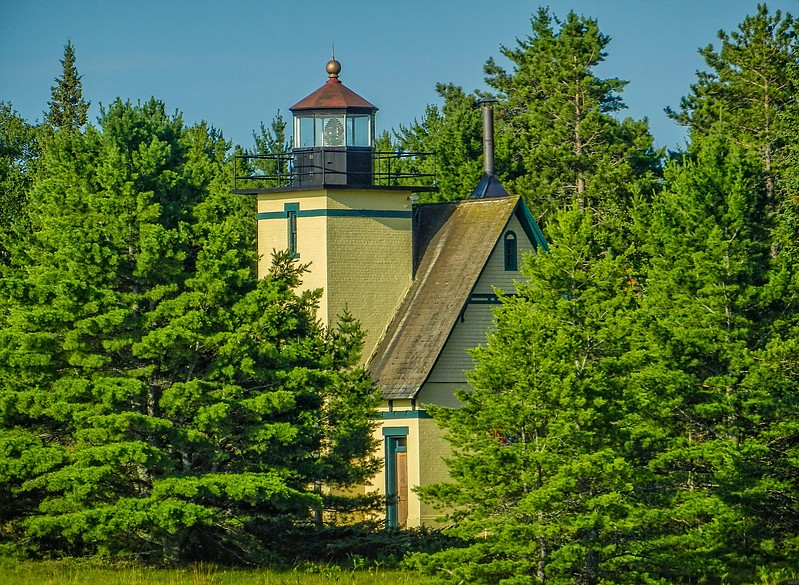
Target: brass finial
column 333, row 67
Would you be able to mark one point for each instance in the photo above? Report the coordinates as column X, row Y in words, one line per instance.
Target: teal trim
column 373, row 213
column 291, row 207
column 396, row 442
column 378, row 213
column 511, row 262
column 272, row 215
column 530, row 226
column 392, row 447
column 396, row 414
column 395, row 431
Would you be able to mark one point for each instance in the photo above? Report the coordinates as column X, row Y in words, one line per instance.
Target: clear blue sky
column 235, row 63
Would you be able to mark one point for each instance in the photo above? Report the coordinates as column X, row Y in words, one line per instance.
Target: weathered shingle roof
column 452, row 244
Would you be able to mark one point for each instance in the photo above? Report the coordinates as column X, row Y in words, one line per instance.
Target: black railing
column 324, row 167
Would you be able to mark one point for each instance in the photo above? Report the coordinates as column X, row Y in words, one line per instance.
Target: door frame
column 396, row 441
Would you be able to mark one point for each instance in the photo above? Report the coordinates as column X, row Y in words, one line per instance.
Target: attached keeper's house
column 421, row 278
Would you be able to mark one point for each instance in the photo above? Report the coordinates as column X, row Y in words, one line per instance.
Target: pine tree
column 748, row 96
column 555, row 119
column 709, row 316
column 272, row 144
column 454, row 134
column 544, row 489
column 157, row 399
column 68, row 109
column 18, row 154
column 750, row 88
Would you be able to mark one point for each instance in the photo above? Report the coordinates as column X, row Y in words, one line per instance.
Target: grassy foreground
column 78, row 572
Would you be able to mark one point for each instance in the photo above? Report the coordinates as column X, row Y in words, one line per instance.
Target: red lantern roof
column 333, row 95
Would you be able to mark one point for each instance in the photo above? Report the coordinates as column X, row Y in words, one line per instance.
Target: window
column 293, row 233
column 333, row 130
column 358, row 130
column 511, row 260
column 330, row 131
column 303, row 132
column 291, row 210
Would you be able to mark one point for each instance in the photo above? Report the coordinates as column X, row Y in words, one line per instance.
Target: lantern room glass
column 330, row 131
column 303, row 132
column 358, row 133
column 333, row 130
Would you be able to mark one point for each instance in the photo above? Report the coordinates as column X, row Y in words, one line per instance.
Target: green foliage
column 749, row 93
column 454, row 133
column 542, row 486
column 558, row 140
column 19, row 152
column 714, row 297
column 633, row 417
column 750, row 88
column 157, row 399
column 295, row 544
column 739, row 381
column 70, row 571
column 68, row 109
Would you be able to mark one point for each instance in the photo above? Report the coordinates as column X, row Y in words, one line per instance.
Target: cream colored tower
column 358, row 243
column 336, row 214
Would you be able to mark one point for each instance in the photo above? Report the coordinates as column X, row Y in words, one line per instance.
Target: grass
column 79, row 572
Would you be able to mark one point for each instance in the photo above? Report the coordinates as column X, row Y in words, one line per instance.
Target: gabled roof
column 333, row 95
column 453, row 242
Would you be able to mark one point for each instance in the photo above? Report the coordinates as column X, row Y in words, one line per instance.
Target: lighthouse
column 340, row 206
column 421, row 278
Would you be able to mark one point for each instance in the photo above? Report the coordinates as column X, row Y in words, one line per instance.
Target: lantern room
column 334, row 131
column 333, row 146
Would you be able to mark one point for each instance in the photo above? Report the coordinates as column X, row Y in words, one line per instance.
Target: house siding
column 494, row 273
column 476, row 320
column 454, row 361
column 432, row 469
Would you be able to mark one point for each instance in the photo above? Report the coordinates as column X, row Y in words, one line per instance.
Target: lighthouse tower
column 335, row 211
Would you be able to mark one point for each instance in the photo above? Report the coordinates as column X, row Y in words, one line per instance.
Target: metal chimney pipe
column 488, row 136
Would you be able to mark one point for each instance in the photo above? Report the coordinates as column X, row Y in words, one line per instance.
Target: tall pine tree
column 68, row 109
column 543, row 487
column 557, row 121
column 157, row 399
column 712, row 307
column 750, row 88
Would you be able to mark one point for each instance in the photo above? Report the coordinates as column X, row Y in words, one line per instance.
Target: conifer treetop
column 68, row 109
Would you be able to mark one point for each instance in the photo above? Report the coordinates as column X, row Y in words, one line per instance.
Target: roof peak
column 489, row 188
column 333, row 67
column 334, row 94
